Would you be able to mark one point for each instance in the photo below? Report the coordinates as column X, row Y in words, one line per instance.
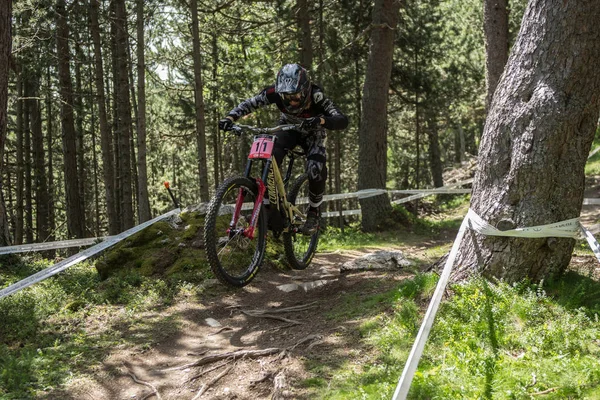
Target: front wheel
column 299, row 249
column 233, row 256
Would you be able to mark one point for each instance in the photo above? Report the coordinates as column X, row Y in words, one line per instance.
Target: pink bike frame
column 262, row 149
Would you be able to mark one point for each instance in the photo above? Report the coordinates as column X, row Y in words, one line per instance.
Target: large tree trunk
column 20, row 184
column 50, row 158
column 435, row 156
column 216, row 142
column 303, row 20
column 75, row 217
column 5, row 51
column 536, row 140
column 372, row 157
column 123, row 108
column 27, row 160
column 39, row 169
column 199, row 102
column 105, row 134
column 495, row 26
column 143, row 200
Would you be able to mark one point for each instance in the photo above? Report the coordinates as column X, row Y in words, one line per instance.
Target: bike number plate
column 261, row 148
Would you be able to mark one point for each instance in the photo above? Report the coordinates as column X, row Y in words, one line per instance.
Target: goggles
column 296, row 97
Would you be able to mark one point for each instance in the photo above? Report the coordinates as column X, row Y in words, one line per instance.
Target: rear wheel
column 299, row 249
column 233, row 257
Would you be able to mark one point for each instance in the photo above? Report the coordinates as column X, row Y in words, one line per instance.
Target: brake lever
column 237, row 130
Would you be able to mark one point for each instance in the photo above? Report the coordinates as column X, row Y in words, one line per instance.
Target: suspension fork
column 249, row 231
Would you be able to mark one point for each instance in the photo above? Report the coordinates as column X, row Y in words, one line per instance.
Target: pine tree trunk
column 123, row 108
column 495, row 26
column 372, row 158
column 79, row 112
column 49, row 142
column 538, row 134
column 75, row 218
column 27, row 160
column 199, row 102
column 39, row 171
column 5, row 54
column 105, row 134
column 303, row 20
column 435, row 157
column 19, row 164
column 143, row 199
column 216, row 142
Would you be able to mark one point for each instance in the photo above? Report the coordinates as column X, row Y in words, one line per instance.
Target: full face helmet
column 293, row 85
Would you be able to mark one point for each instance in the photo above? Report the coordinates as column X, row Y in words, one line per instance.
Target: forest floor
column 258, row 342
column 245, row 338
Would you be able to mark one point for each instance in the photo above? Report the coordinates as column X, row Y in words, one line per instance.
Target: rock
column 174, row 221
column 212, row 322
column 201, row 209
column 290, row 287
column 380, row 260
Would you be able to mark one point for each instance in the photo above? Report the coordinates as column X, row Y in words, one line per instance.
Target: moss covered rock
column 162, row 249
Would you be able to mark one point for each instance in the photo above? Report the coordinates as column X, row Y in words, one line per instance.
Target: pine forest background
column 109, row 99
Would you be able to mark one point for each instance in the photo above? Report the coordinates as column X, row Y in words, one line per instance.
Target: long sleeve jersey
column 319, row 106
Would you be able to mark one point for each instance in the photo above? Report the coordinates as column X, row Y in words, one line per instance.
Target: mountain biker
column 300, row 102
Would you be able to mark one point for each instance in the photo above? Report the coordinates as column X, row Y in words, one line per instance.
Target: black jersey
column 319, row 106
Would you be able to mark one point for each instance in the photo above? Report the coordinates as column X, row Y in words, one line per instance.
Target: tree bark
column 372, row 158
column 75, row 217
column 5, row 52
column 49, row 143
column 143, row 200
column 39, row 169
column 536, row 140
column 20, row 184
column 435, row 157
column 495, row 26
column 105, row 134
column 123, row 108
column 199, row 102
column 303, row 20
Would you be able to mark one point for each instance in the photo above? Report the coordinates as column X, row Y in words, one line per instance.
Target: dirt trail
column 297, row 338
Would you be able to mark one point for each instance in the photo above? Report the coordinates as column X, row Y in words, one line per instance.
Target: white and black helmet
column 293, row 85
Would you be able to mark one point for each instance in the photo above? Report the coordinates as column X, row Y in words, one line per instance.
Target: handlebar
column 239, row 129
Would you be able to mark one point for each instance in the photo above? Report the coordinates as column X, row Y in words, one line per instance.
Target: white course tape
column 56, row 268
column 591, row 241
column 60, row 244
column 571, row 228
column 566, row 229
column 417, row 350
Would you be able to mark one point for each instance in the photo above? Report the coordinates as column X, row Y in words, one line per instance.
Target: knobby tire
column 292, row 240
column 226, row 253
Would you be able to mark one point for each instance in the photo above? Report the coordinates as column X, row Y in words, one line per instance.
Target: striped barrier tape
column 60, row 244
column 571, row 228
column 61, row 266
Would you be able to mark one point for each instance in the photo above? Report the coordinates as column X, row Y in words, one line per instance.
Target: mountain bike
column 244, row 208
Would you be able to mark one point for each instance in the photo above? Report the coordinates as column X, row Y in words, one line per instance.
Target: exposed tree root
column 309, row 338
column 265, row 315
column 207, row 385
column 140, row 382
column 234, row 355
column 225, row 328
column 208, row 370
column 301, row 307
column 279, row 384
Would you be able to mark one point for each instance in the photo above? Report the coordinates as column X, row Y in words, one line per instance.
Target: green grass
column 64, row 326
column 489, row 341
column 417, row 231
column 592, row 167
